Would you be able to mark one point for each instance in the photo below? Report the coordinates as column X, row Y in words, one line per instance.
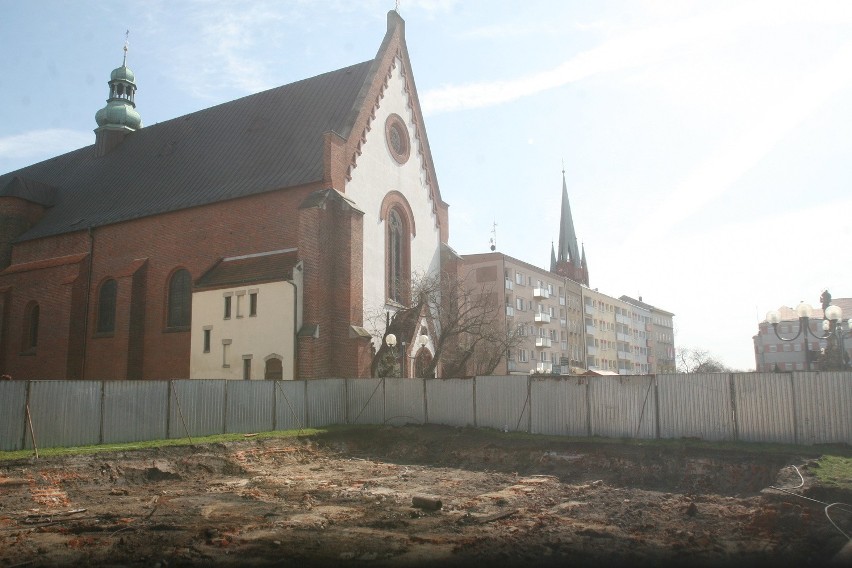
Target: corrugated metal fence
column 797, row 408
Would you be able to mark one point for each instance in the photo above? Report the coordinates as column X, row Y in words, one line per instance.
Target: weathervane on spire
column 493, row 239
column 396, row 9
column 126, row 43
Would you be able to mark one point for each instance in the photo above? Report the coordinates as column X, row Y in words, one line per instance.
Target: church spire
column 569, row 262
column 567, row 237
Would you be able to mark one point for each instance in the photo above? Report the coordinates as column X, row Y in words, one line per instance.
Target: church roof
column 259, row 143
column 272, row 266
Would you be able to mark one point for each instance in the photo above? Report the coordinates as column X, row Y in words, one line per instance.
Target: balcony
column 591, row 330
column 541, row 293
column 623, row 337
column 544, row 367
column 591, row 350
column 543, row 342
column 510, row 311
column 509, row 284
column 542, row 318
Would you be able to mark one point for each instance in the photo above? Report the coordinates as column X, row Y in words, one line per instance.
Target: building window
column 240, row 296
column 31, row 317
column 398, row 255
column 180, row 299
column 252, row 304
column 225, row 344
column 207, row 333
column 106, row 307
column 228, row 307
column 246, row 367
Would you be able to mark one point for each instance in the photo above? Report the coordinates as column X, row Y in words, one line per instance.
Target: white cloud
column 35, row 145
column 634, row 50
column 734, row 157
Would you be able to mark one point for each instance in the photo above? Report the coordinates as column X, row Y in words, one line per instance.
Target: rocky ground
column 420, row 495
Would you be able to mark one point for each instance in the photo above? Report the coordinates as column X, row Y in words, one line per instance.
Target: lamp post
column 390, row 341
column 832, row 326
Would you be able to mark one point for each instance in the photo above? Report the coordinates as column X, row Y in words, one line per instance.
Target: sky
column 707, row 146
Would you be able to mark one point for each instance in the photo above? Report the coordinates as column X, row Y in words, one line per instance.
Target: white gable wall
column 376, row 174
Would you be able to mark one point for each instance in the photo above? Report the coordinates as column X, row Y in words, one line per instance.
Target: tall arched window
column 398, row 257
column 31, row 316
column 106, row 307
column 180, row 300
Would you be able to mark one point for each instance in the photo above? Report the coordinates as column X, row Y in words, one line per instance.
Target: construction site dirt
column 418, row 496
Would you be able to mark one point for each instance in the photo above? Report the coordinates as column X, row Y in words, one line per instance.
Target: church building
column 248, row 240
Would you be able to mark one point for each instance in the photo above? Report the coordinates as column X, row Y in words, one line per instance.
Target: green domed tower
column 119, row 117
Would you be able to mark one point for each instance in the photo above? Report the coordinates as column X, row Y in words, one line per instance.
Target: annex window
column 252, row 303
column 228, row 299
column 246, row 367
column 180, row 299
column 106, row 307
column 31, row 318
column 208, row 332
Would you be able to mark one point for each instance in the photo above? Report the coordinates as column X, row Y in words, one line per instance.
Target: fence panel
column 503, row 403
column 764, row 407
column 450, row 402
column 196, row 407
column 65, row 413
column 135, row 411
column 290, row 413
column 13, row 415
column 696, row 406
column 366, row 401
column 623, row 406
column 558, row 406
column 404, row 401
column 249, row 407
column 823, row 407
column 326, row 402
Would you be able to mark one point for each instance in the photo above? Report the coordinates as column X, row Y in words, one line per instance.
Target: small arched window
column 398, row 257
column 31, row 317
column 180, row 300
column 106, row 307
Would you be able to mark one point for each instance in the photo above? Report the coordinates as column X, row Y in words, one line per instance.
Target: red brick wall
column 193, row 239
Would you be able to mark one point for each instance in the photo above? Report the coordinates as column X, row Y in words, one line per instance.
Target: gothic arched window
column 180, row 300
column 106, row 307
column 398, row 257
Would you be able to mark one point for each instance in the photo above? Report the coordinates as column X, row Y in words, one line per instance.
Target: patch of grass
column 150, row 444
column 834, row 471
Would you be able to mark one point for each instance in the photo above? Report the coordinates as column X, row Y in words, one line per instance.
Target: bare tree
column 696, row 360
column 471, row 336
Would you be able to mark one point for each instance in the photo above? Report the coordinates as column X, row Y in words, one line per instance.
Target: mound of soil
column 419, row 495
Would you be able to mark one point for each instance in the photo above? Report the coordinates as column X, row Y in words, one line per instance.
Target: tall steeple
column 567, row 237
column 568, row 262
column 119, row 117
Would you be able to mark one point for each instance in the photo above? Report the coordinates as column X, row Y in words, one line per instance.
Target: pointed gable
column 393, row 52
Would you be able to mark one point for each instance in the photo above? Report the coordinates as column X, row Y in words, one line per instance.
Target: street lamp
column 832, row 325
column 390, row 341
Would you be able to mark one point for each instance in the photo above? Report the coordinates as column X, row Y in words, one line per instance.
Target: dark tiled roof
column 255, row 144
column 250, row 269
column 29, row 190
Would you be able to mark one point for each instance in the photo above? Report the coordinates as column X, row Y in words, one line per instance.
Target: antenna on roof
column 493, row 239
column 126, row 43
